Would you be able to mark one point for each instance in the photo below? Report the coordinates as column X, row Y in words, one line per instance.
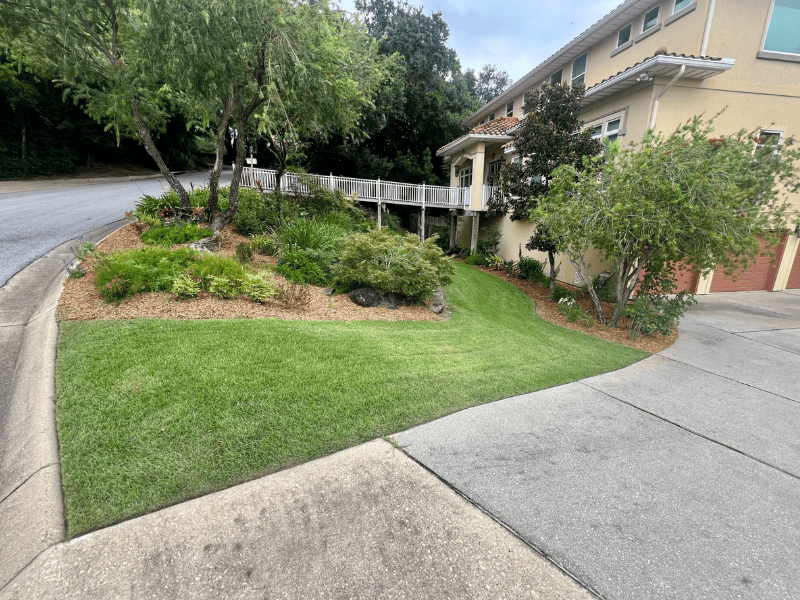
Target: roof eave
column 468, row 140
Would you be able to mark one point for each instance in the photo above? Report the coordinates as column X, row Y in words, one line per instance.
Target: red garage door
column 760, row 276
column 794, row 275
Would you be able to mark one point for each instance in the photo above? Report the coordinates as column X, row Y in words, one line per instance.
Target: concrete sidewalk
column 677, row 477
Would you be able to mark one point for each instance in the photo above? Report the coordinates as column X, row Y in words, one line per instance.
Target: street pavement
column 40, row 215
column 677, row 477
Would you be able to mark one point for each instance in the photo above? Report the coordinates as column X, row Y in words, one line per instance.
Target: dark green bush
column 244, row 252
column 264, row 244
column 129, row 272
column 530, row 268
column 476, row 260
column 260, row 213
column 210, row 266
column 657, row 313
column 176, row 234
column 392, row 263
column 558, row 292
column 297, row 266
column 490, row 241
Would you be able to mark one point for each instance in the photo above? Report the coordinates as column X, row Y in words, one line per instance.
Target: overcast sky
column 515, row 35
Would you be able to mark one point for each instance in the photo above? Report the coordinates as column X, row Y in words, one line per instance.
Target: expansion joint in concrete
column 540, row 551
column 692, row 431
column 27, row 479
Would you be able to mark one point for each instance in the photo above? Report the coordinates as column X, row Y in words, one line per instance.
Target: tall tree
column 488, row 84
column 686, row 198
column 549, row 136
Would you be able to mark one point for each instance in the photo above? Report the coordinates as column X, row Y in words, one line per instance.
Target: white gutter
column 654, row 110
column 707, row 30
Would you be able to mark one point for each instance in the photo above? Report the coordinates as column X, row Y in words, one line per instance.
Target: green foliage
column 491, row 239
column 309, row 234
column 530, row 269
column 495, row 261
column 210, row 266
column 477, row 260
column 176, row 234
column 259, row 287
column 244, row 252
column 85, row 249
column 392, row 263
column 683, row 198
column 264, row 244
column 298, row 266
column 185, row 286
column 559, row 293
column 76, row 274
column 223, row 287
column 392, row 221
column 655, row 313
column 574, row 313
column 261, row 212
column 144, row 270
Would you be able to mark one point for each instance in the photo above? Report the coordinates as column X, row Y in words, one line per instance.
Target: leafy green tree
column 488, row 84
column 686, row 198
column 549, row 136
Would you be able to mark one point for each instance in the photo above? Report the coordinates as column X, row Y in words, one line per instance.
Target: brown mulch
column 548, row 310
column 80, row 301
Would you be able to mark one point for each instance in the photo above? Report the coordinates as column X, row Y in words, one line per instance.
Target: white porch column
column 476, row 222
column 476, row 201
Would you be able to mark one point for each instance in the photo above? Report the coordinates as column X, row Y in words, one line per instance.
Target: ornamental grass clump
column 395, row 263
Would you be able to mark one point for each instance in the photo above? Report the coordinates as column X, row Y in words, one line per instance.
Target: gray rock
column 209, row 244
column 391, row 301
column 328, row 291
column 365, row 297
column 438, row 304
column 77, row 267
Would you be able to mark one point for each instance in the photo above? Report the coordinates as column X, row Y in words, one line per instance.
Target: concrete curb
column 10, row 187
column 31, row 504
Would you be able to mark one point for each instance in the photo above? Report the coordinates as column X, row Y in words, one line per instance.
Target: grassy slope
column 152, row 412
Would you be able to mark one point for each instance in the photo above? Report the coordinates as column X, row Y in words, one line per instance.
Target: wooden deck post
column 453, row 225
column 379, row 213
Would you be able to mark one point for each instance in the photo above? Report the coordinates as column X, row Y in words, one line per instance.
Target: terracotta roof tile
column 500, row 126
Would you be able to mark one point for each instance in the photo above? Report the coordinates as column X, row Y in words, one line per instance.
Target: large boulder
column 437, row 304
column 366, row 297
column 209, row 244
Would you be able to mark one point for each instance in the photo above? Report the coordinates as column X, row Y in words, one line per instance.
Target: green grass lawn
column 153, row 412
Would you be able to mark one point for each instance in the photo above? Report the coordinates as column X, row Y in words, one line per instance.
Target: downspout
column 654, row 110
column 707, row 30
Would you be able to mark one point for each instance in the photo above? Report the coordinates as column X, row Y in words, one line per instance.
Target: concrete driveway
column 677, row 477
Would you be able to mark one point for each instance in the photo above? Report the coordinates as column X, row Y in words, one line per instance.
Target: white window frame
column 510, row 109
column 572, row 74
column 774, row 54
column 657, row 8
column 675, row 8
column 604, row 121
column 465, row 172
column 630, row 34
column 493, row 168
column 777, row 132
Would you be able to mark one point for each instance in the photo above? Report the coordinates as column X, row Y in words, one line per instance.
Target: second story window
column 680, row 5
column 624, row 35
column 650, row 19
column 491, row 117
column 556, row 77
column 783, row 34
column 579, row 69
column 510, row 109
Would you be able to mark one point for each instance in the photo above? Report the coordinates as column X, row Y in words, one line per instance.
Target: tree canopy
column 684, row 198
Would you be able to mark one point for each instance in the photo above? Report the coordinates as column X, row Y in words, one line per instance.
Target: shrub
column 294, row 295
column 84, row 250
column 573, row 312
column 476, row 260
column 223, row 287
column 208, row 266
column 264, row 244
column 258, row 287
column 656, row 313
column 309, row 234
column 495, row 261
column 244, row 252
column 259, row 213
column 530, row 269
column 393, row 263
column 392, row 221
column 186, row 286
column 144, row 270
column 558, row 293
column 177, row 234
column 297, row 266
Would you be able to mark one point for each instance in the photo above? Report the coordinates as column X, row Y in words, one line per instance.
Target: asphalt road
column 33, row 223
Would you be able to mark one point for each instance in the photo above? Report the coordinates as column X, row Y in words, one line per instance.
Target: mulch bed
column 548, row 310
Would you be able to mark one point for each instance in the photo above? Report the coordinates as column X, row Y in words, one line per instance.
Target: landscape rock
column 209, row 244
column 366, row 297
column 391, row 301
column 328, row 291
column 77, row 267
column 438, row 304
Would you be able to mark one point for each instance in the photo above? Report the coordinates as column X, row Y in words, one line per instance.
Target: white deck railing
column 369, row 190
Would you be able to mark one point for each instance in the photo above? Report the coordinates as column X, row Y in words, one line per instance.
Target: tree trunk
column 625, row 287
column 144, row 136
column 219, row 150
column 551, row 256
column 583, row 271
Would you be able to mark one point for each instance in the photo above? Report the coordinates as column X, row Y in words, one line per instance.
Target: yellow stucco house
column 654, row 64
